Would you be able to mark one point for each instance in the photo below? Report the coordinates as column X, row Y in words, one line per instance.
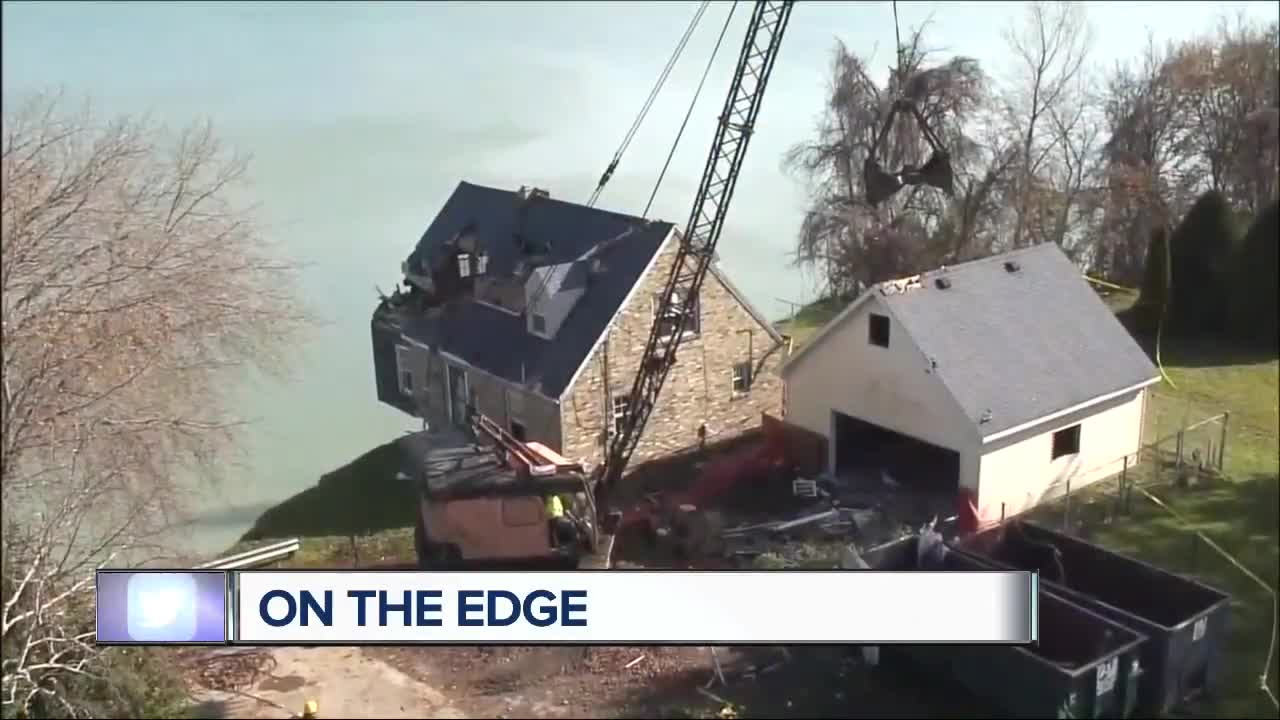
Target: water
column 362, row 117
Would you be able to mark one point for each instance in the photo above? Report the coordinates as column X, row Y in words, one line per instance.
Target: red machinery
column 752, row 465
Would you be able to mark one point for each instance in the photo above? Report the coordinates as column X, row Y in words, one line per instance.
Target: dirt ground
column 556, row 682
column 668, row 682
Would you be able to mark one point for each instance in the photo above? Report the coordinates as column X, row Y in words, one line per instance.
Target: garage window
column 878, row 330
column 1066, row 441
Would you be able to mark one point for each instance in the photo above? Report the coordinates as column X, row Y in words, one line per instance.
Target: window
column 482, row 263
column 1066, row 441
column 741, row 378
column 464, row 265
column 621, row 404
column 878, row 330
column 692, row 323
column 517, row 431
column 539, row 324
column 404, row 370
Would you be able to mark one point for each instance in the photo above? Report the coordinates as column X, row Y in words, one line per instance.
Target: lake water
column 362, row 117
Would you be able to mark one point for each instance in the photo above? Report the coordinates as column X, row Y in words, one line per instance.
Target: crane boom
column 696, row 250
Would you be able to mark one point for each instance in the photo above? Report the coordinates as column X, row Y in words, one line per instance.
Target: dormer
column 551, row 292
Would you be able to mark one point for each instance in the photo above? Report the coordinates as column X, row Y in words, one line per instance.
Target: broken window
column 539, row 324
column 1066, row 442
column 518, row 430
column 621, row 403
column 741, row 378
column 878, row 330
column 404, row 370
column 670, row 320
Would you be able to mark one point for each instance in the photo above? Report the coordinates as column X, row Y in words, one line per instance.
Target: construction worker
column 560, row 525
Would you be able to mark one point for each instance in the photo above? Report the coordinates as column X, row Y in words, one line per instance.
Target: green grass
column 1241, row 514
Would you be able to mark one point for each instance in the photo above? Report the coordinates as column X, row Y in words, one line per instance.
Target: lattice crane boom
column 696, row 250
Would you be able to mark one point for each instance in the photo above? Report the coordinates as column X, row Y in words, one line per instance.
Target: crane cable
column 706, row 71
column 648, row 104
column 689, row 113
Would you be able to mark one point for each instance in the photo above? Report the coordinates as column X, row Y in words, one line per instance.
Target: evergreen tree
column 1253, row 298
column 1152, row 293
column 1201, row 248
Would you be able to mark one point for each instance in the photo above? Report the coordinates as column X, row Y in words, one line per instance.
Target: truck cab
column 477, row 505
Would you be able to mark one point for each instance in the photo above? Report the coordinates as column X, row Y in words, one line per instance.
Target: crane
column 696, row 250
column 697, row 246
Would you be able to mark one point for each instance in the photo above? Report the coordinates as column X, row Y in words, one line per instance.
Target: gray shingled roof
column 498, row 342
column 1020, row 345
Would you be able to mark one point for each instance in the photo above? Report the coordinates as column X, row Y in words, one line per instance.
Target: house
column 1006, row 380
column 536, row 311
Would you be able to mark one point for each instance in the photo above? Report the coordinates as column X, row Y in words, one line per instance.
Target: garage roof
column 1016, row 337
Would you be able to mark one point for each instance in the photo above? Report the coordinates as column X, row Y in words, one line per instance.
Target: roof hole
column 942, row 283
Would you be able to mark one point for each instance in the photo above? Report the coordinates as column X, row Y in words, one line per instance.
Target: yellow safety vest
column 555, row 508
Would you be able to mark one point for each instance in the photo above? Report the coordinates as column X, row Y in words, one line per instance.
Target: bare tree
column 1043, row 106
column 1229, row 85
column 853, row 243
column 133, row 289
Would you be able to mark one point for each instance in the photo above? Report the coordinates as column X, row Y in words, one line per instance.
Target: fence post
column 1180, row 441
column 1120, row 488
column 1222, row 444
column 1066, row 509
column 1001, row 512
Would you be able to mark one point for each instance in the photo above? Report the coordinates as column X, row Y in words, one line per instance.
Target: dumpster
column 1084, row 665
column 1185, row 621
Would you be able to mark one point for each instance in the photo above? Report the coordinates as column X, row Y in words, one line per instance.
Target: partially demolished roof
column 607, row 251
column 450, row 465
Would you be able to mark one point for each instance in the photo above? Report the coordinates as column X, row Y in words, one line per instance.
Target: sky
column 507, row 93
column 362, row 117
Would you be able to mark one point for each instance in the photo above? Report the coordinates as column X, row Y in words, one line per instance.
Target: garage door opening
column 864, row 450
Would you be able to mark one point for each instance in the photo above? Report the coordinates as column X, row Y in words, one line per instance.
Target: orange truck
column 485, row 504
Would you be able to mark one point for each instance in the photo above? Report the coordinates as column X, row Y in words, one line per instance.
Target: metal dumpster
column 1184, row 620
column 1084, row 665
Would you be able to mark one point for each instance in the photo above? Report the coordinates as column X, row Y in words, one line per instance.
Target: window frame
column 689, row 332
column 466, row 264
column 618, row 415
column 1065, row 442
column 741, row 372
column 534, row 319
column 872, row 336
column 512, row 423
column 404, row 369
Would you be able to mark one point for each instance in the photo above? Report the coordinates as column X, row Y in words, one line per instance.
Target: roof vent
column 1011, row 266
column 942, row 283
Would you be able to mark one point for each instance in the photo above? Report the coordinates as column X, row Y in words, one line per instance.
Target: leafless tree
column 134, row 288
column 1198, row 114
column 851, row 242
column 1043, row 106
column 1229, row 85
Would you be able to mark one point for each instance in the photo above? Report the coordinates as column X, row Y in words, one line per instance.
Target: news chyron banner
column 631, row 607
